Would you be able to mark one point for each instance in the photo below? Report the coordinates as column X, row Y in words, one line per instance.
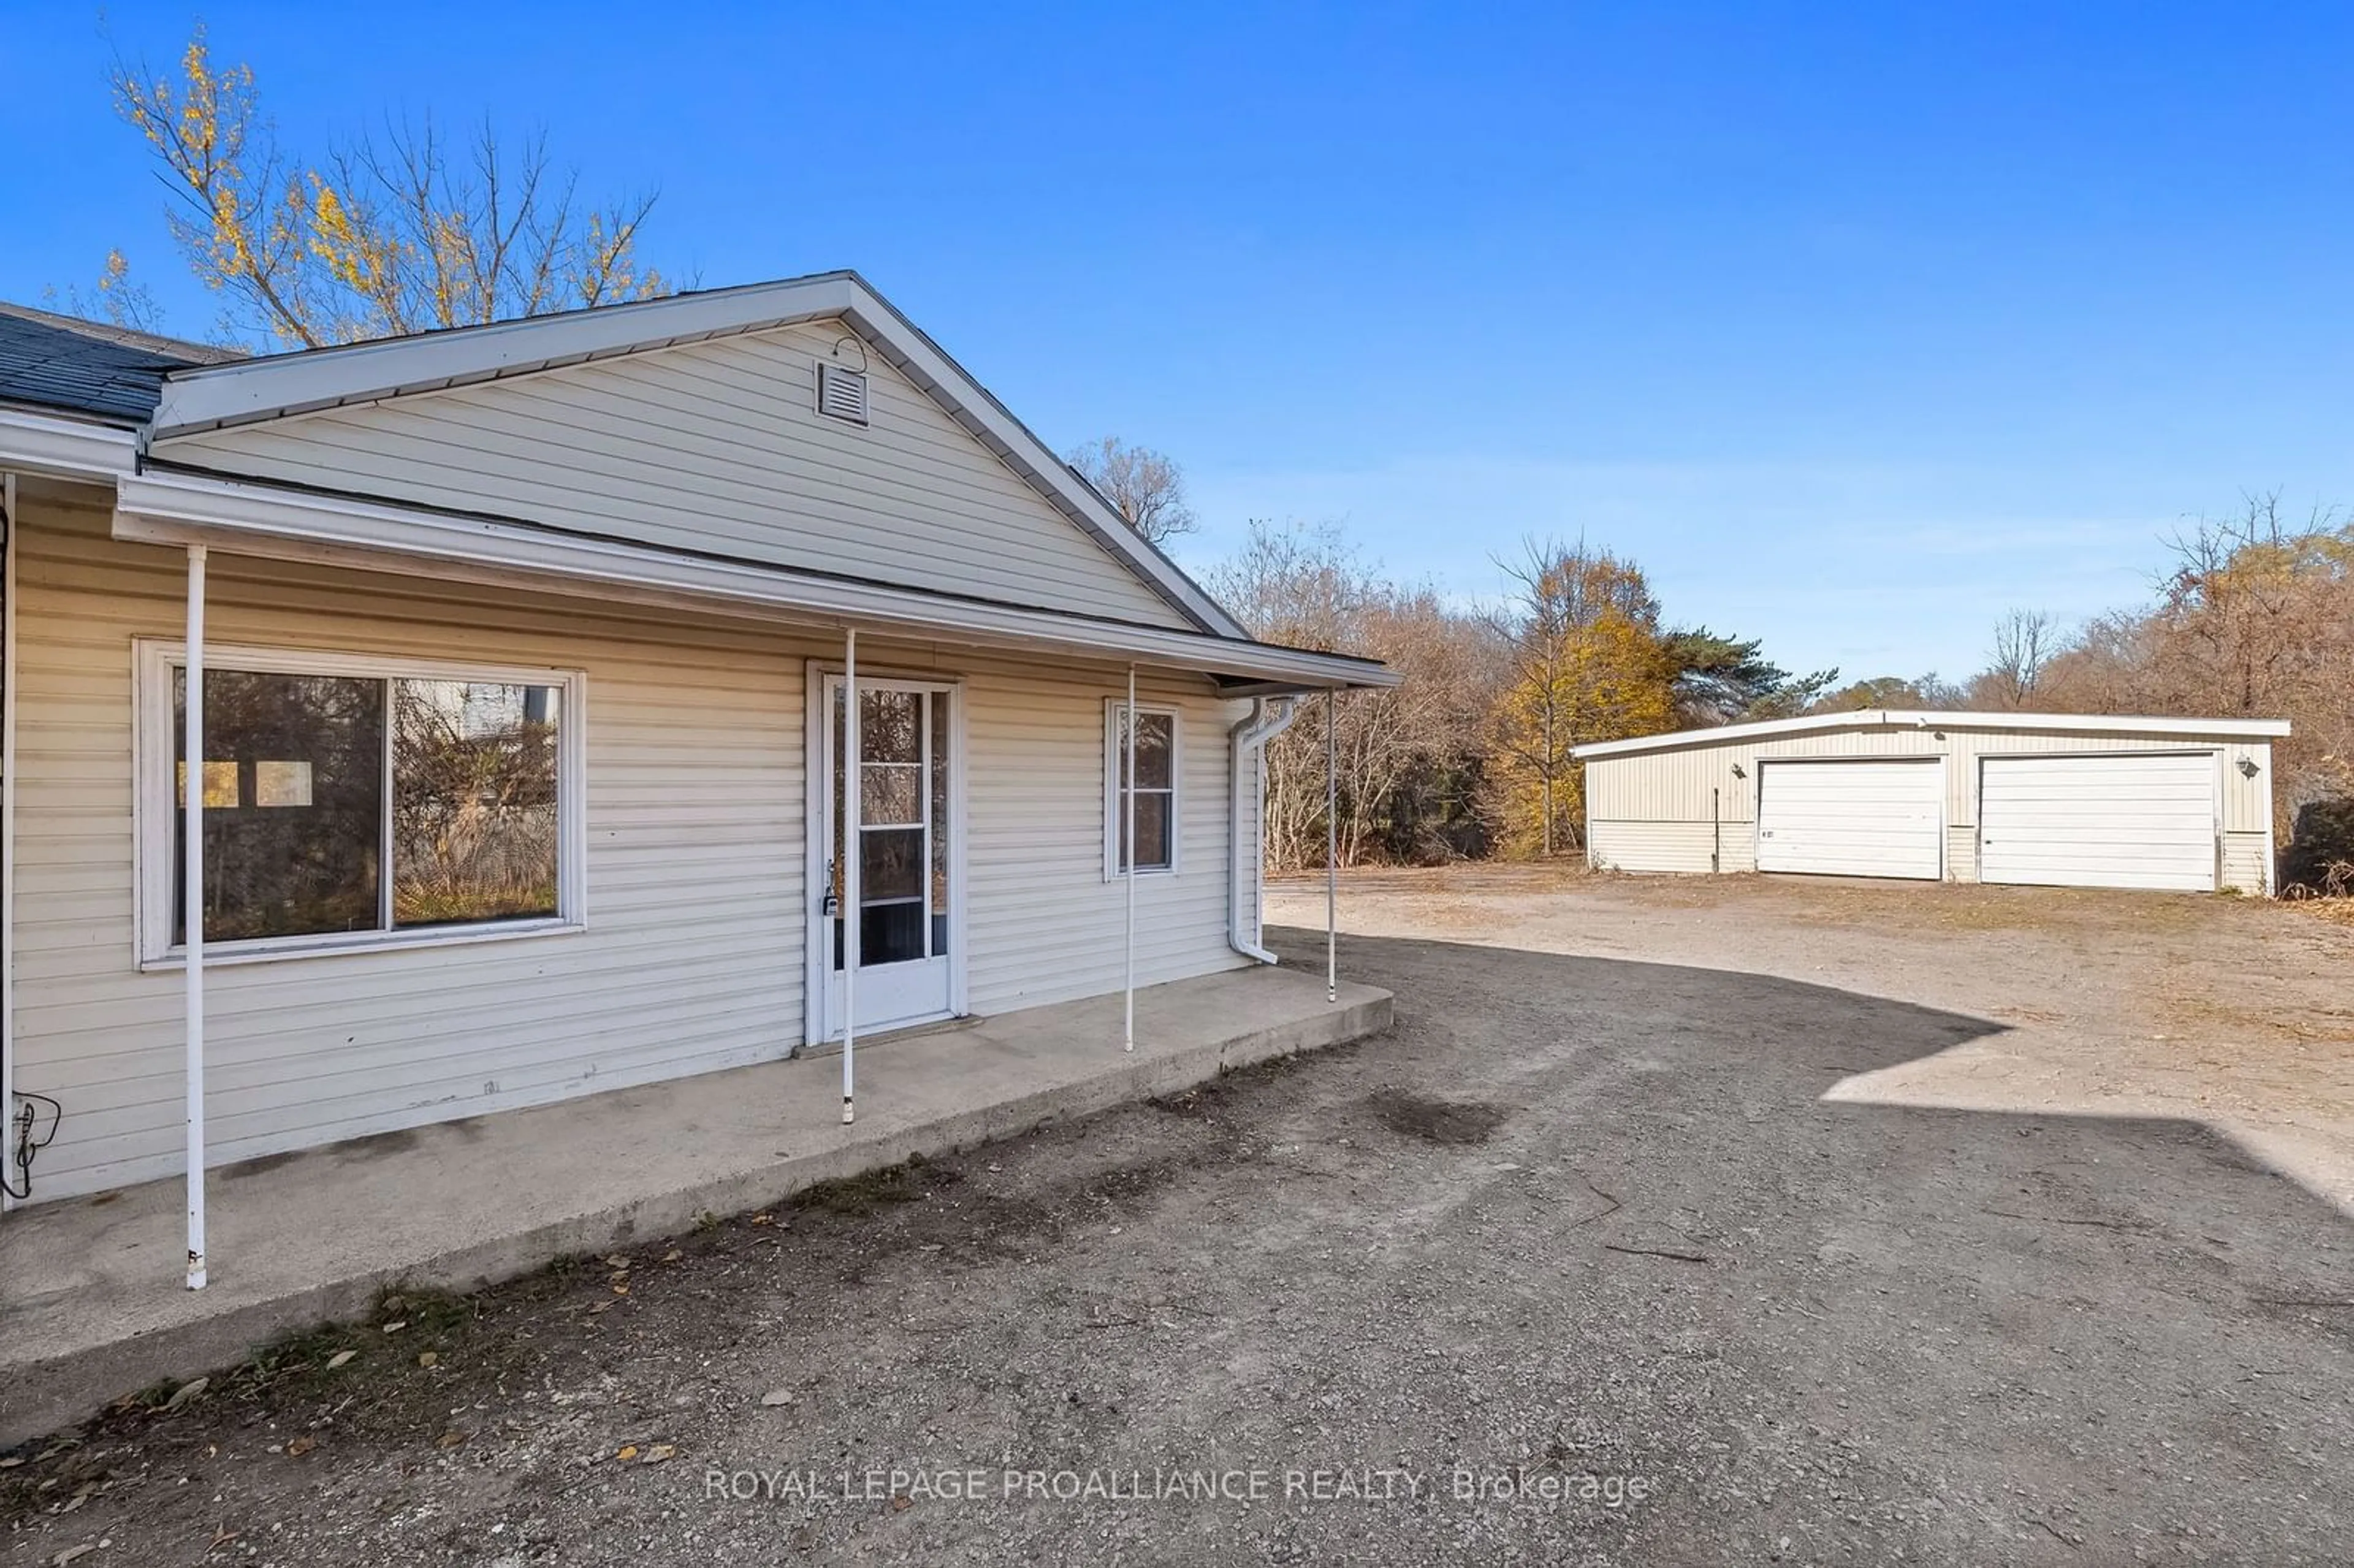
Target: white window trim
column 155, row 806
column 1113, row 706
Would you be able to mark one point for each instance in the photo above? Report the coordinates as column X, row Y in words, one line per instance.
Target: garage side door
column 1852, row 818
column 2120, row 820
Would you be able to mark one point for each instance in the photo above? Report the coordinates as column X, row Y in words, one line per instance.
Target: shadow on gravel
column 1725, row 1090
column 1437, row 1121
column 1572, row 1217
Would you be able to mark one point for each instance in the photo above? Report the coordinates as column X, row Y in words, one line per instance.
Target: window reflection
column 277, row 870
column 307, row 785
column 474, row 832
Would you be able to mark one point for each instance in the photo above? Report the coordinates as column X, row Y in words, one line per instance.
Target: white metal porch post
column 848, row 850
column 1127, row 833
column 1332, row 855
column 192, row 880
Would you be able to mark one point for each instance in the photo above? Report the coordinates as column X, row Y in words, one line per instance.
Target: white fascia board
column 1896, row 718
column 65, row 447
column 207, row 397
column 914, row 356
column 2124, row 724
column 261, row 520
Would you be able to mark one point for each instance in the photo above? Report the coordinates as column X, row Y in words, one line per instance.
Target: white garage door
column 1852, row 818
column 2121, row 820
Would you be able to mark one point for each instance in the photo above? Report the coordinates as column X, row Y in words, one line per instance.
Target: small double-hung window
column 351, row 803
column 1153, row 788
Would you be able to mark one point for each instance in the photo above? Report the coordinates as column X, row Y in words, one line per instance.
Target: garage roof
column 1900, row 718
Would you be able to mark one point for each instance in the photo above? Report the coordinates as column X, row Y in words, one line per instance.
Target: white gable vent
column 841, row 394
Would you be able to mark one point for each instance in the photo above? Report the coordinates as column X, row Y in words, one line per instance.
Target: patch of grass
column 866, row 1192
column 292, row 1357
column 2234, row 1026
column 2336, row 911
column 428, row 1311
column 155, row 1396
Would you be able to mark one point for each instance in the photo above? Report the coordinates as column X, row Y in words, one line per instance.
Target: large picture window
column 352, row 801
column 1154, row 788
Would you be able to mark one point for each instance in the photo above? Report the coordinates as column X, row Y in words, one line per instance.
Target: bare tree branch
column 388, row 235
column 1144, row 487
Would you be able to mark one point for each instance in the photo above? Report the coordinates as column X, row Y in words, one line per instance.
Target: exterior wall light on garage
column 2248, row 769
column 1739, row 771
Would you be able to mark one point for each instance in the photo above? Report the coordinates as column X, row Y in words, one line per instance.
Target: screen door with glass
column 904, row 837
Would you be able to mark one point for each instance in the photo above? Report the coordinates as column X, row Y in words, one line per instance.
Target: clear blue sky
column 1854, row 329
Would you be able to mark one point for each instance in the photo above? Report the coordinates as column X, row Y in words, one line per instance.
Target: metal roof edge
column 178, row 507
column 1912, row 718
column 58, row 444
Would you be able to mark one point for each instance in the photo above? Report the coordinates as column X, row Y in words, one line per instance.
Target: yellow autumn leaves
column 381, row 239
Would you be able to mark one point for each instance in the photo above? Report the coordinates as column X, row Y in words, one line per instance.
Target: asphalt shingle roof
column 89, row 367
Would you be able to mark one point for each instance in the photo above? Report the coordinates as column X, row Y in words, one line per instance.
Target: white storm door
column 1866, row 818
column 907, row 787
column 2121, row 820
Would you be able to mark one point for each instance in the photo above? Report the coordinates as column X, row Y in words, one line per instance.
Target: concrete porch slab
column 92, row 1302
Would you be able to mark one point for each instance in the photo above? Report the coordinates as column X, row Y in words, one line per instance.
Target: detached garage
column 2056, row 799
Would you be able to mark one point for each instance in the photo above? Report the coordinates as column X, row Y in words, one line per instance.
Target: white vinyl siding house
column 691, row 956
column 2058, row 799
column 658, row 531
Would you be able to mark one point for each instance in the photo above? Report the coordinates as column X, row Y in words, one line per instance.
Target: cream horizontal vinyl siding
column 713, row 446
column 1047, row 926
column 692, row 959
column 1654, row 846
column 1653, row 790
column 2246, row 863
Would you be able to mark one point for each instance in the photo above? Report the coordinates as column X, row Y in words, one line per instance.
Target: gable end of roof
column 208, row 397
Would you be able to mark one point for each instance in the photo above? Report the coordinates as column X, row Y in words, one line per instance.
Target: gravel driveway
column 1675, row 1223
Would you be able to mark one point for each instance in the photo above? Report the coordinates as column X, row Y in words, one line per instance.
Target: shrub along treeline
column 1469, row 756
column 2253, row 618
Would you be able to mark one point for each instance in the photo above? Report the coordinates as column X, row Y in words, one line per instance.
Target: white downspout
column 1127, row 833
column 1246, row 754
column 192, row 877
column 852, row 808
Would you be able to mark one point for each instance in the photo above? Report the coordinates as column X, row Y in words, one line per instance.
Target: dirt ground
column 1677, row 1222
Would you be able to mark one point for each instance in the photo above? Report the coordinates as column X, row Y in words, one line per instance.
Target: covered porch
column 90, row 1305
column 921, row 642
